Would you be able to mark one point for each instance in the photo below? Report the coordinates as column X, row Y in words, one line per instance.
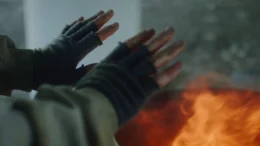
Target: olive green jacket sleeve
column 59, row 116
column 16, row 68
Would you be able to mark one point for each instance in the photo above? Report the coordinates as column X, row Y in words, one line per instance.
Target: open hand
column 134, row 71
column 57, row 63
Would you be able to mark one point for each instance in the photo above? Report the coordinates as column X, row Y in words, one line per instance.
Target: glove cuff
column 121, row 88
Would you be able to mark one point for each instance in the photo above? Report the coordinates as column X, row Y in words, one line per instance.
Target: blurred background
column 222, row 36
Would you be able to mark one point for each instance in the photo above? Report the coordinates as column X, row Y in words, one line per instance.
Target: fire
column 212, row 117
column 227, row 118
column 196, row 117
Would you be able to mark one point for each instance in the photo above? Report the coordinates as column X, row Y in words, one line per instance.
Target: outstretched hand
column 100, row 19
column 56, row 64
column 135, row 70
column 159, row 58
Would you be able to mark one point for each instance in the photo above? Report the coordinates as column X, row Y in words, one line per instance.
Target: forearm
column 62, row 116
column 16, row 68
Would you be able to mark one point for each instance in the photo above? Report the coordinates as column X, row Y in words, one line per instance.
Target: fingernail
column 100, row 12
column 149, row 30
column 115, row 24
column 110, row 11
column 81, row 18
column 169, row 29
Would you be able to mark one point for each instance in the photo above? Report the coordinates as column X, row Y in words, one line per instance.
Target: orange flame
column 228, row 118
column 196, row 117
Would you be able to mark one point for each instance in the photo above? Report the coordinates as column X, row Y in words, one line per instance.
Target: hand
column 162, row 58
column 133, row 71
column 56, row 64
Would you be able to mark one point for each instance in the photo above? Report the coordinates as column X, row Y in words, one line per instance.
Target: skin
column 145, row 37
column 154, row 45
column 100, row 19
column 163, row 57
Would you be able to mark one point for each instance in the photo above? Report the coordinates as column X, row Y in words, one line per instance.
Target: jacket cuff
column 123, row 91
column 19, row 72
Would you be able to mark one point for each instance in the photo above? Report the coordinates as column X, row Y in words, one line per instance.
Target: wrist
column 122, row 90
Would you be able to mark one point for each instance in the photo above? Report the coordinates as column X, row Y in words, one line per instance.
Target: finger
column 76, row 25
column 94, row 17
column 80, row 19
column 142, row 51
column 165, row 56
column 126, row 48
column 168, row 75
column 148, row 67
column 108, row 31
column 67, row 27
column 140, row 38
column 93, row 26
column 89, row 19
column 161, row 39
column 104, row 18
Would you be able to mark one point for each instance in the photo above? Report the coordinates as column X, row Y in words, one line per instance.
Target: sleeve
column 59, row 116
column 16, row 68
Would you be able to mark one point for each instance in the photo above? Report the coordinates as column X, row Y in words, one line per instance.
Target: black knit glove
column 124, row 78
column 56, row 64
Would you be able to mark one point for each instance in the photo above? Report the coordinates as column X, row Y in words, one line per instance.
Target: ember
column 219, row 117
